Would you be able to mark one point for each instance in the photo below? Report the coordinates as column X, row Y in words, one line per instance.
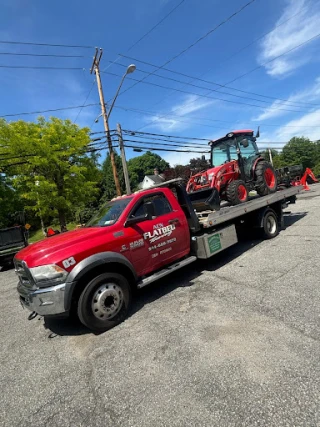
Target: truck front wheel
column 104, row 302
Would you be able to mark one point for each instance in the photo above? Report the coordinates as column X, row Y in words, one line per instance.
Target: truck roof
column 150, row 189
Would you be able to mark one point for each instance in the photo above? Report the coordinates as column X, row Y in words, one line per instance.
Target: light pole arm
column 116, row 95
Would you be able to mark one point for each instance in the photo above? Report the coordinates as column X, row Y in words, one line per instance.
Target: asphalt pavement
column 231, row 341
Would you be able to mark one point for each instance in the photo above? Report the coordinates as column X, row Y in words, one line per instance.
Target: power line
column 40, row 68
column 213, row 90
column 156, row 25
column 161, row 149
column 177, row 118
column 214, row 83
column 203, row 96
column 171, row 143
column 238, row 51
column 22, row 156
column 148, row 134
column 164, row 135
column 147, row 33
column 153, row 113
column 46, row 44
column 162, row 141
column 138, row 111
column 42, row 54
column 84, row 104
column 261, row 37
column 193, row 44
column 47, row 111
column 256, row 68
column 273, row 59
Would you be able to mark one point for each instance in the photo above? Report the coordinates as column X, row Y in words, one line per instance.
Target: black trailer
column 12, row 240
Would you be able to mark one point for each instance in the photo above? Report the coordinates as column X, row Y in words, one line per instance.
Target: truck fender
column 276, row 209
column 89, row 264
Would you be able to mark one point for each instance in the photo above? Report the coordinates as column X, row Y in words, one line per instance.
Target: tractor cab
column 239, row 145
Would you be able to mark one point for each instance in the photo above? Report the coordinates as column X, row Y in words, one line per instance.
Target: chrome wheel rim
column 271, row 225
column 107, row 301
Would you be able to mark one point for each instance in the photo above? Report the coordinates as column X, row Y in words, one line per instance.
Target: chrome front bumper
column 44, row 301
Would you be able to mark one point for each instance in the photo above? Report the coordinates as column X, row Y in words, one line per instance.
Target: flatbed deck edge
column 231, row 212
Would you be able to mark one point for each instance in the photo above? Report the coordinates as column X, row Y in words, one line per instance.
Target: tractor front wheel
column 237, row 192
column 266, row 179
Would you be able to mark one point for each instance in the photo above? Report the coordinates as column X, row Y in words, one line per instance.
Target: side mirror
column 135, row 220
column 244, row 143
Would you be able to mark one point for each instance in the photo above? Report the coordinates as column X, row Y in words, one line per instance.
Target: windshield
column 225, row 151
column 109, row 213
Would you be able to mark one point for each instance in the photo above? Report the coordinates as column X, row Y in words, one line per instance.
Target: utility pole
column 124, row 161
column 96, row 69
column 270, row 156
column 37, row 183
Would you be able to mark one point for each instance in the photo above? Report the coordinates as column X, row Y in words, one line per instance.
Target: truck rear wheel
column 266, row 179
column 237, row 192
column 270, row 225
column 105, row 301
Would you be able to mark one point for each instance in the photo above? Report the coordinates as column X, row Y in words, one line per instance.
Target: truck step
column 159, row 274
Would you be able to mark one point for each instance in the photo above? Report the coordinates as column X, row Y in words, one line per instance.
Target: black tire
column 237, row 192
column 263, row 184
column 270, row 225
column 105, row 301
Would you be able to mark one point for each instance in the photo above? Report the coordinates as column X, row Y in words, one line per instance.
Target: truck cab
column 129, row 238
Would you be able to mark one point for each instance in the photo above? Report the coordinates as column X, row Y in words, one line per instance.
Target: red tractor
column 237, row 168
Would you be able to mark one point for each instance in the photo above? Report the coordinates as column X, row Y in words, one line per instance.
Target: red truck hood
column 55, row 249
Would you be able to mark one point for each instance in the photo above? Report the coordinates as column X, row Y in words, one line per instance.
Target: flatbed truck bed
column 212, row 218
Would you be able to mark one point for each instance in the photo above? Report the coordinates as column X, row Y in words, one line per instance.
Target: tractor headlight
column 47, row 275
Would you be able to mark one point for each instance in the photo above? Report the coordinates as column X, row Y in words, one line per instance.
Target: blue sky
column 116, row 26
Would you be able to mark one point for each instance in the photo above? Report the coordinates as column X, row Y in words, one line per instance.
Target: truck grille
column 23, row 273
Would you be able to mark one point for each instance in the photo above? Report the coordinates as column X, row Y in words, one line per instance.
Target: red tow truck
column 131, row 242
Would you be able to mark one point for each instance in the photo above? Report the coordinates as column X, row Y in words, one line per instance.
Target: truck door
column 160, row 240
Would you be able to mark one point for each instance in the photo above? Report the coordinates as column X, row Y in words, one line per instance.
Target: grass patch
column 37, row 235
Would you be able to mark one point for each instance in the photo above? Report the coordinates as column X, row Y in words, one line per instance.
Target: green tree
column 50, row 165
column 300, row 150
column 198, row 164
column 276, row 158
column 178, row 171
column 108, row 188
column 143, row 165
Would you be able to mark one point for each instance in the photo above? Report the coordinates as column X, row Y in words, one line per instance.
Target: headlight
column 48, row 273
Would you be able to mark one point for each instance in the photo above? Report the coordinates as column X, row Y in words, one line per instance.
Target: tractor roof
column 231, row 134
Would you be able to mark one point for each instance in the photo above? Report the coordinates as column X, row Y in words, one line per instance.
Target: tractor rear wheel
column 266, row 179
column 237, row 192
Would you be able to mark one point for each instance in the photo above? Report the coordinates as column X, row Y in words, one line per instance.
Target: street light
column 131, row 68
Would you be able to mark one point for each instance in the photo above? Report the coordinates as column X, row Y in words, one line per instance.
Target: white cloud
column 307, row 125
column 177, row 118
column 292, row 33
column 304, row 97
